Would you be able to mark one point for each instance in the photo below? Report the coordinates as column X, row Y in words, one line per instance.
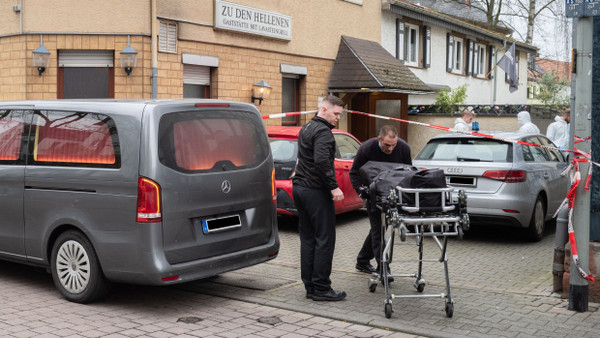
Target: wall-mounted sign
column 252, row 20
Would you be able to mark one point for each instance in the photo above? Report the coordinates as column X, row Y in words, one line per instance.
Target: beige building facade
column 187, row 48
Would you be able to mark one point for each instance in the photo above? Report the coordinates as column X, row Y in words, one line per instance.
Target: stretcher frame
column 412, row 221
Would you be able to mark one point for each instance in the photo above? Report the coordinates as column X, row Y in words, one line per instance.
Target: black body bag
column 428, row 178
column 389, row 179
column 371, row 169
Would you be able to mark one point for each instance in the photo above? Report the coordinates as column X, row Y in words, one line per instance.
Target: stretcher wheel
column 465, row 222
column 403, row 234
column 388, row 310
column 460, row 232
column 372, row 285
column 449, row 309
column 420, row 285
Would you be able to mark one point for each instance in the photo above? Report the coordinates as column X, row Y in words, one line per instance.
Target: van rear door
column 214, row 174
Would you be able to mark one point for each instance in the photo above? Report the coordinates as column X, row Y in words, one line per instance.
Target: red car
column 284, row 145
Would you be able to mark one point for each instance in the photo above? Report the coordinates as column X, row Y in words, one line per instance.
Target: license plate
column 218, row 224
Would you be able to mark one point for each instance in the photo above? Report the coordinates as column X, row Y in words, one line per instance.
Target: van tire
column 76, row 270
column 535, row 231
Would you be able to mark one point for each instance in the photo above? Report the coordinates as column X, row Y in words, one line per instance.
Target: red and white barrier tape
column 570, row 200
column 576, row 151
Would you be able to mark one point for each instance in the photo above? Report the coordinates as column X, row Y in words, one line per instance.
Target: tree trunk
column 530, row 21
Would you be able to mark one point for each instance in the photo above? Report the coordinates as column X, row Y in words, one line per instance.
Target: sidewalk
column 500, row 285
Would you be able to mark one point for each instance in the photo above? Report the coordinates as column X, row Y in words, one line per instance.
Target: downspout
column 154, row 32
column 21, row 16
column 496, row 70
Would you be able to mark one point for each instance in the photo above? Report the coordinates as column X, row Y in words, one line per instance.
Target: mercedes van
column 147, row 192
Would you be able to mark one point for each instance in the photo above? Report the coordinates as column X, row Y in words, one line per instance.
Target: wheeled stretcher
column 414, row 220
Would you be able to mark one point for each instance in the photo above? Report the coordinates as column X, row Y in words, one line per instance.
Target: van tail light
column 273, row 189
column 508, row 176
column 148, row 201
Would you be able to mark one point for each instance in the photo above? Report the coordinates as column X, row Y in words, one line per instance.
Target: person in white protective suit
column 525, row 124
column 464, row 123
column 558, row 131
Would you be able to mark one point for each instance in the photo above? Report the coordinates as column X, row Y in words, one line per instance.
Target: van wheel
column 76, row 270
column 535, row 231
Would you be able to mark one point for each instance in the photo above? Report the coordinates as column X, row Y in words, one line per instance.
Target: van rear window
column 81, row 139
column 211, row 141
column 11, row 129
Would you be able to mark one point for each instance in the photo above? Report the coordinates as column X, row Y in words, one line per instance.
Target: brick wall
column 13, row 62
column 239, row 69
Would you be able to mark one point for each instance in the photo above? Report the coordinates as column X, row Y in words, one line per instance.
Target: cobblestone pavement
column 501, row 286
column 30, row 306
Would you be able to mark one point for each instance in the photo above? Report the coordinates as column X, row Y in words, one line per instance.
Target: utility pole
column 595, row 193
column 581, row 118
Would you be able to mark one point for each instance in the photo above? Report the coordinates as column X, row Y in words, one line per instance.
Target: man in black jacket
column 387, row 147
column 315, row 190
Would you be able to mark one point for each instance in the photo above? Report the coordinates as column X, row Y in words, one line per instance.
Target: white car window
column 465, row 150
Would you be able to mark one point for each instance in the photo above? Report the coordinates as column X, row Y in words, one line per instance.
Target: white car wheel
column 73, row 267
column 76, row 270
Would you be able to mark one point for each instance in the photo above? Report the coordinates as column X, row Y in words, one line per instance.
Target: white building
column 447, row 52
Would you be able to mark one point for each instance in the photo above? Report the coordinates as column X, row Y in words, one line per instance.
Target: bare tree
column 531, row 10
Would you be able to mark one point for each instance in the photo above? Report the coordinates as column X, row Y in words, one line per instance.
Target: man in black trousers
column 315, row 190
column 387, row 147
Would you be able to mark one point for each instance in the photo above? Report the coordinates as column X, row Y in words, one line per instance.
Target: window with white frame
column 481, row 61
column 167, row 38
column 408, row 39
column 455, row 54
column 458, row 55
column 412, row 45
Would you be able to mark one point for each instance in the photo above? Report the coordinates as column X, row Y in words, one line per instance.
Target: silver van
column 147, row 192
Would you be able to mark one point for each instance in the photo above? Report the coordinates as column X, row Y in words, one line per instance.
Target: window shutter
column 400, row 40
column 449, row 52
column 490, row 61
column 426, row 46
column 199, row 75
column 469, row 58
column 167, row 37
column 162, row 37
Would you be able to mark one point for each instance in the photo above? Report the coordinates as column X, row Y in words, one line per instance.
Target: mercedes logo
column 226, row 186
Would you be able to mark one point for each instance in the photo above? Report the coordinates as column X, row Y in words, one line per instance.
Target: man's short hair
column 386, row 130
column 333, row 100
column 567, row 111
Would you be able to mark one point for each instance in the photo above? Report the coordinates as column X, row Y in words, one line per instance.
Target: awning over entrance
column 365, row 66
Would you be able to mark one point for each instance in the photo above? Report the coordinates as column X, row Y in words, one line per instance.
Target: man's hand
column 338, row 195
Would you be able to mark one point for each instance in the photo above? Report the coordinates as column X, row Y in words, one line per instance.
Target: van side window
column 11, row 130
column 74, row 139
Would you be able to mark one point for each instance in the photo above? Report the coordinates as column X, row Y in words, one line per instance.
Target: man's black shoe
column 309, row 295
column 365, row 267
column 330, row 295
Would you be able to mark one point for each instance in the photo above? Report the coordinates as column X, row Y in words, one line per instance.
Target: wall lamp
column 41, row 57
column 128, row 58
column 260, row 91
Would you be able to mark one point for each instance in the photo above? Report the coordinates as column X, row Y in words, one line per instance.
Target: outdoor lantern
column 128, row 58
column 41, row 58
column 260, row 91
